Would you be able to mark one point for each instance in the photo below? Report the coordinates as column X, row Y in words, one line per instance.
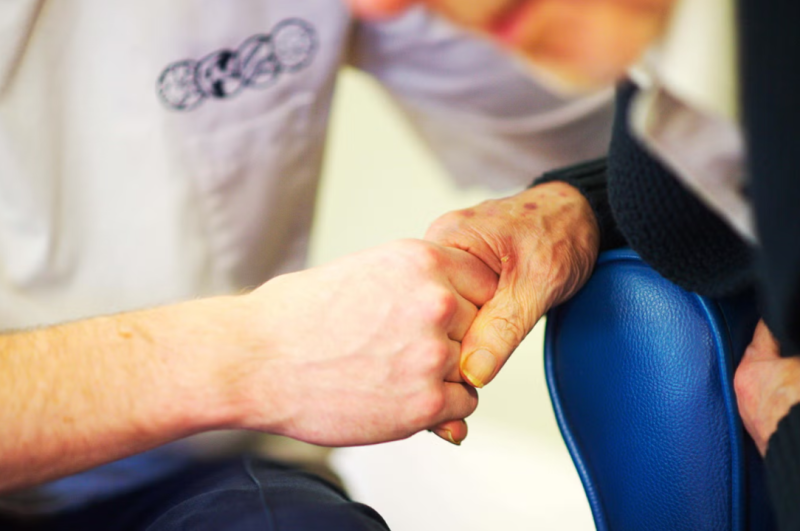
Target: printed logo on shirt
column 257, row 63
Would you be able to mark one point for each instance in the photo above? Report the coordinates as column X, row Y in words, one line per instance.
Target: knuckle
column 430, row 257
column 743, row 383
column 445, row 223
column 440, row 307
column 438, row 354
column 421, row 255
column 431, row 358
column 430, row 407
column 738, row 384
column 451, row 221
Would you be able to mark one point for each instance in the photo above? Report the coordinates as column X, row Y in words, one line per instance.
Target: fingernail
column 447, row 435
column 479, row 367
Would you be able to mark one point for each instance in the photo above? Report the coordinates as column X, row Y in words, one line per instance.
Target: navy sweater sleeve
column 638, row 202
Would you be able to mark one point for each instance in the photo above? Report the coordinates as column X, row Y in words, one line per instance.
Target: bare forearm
column 86, row 393
column 359, row 351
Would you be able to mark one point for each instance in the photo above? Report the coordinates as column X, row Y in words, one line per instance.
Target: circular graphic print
column 177, row 87
column 295, row 43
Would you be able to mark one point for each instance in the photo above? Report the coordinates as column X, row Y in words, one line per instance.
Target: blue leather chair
column 640, row 373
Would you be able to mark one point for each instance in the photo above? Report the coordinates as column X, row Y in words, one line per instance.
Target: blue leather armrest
column 640, row 374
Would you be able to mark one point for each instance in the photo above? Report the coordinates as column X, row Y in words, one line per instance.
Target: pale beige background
column 513, row 473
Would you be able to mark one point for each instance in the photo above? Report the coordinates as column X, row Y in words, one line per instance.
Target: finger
column 376, row 9
column 454, row 230
column 461, row 401
column 497, row 331
column 462, row 319
column 452, row 368
column 453, row 431
column 470, row 276
column 764, row 346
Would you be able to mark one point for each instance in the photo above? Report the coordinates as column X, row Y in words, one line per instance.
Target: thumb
column 498, row 329
column 376, row 9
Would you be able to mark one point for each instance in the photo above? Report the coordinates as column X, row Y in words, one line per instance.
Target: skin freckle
column 531, row 206
column 468, row 213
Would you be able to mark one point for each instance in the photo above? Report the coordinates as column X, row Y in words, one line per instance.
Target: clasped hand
column 365, row 349
column 379, row 345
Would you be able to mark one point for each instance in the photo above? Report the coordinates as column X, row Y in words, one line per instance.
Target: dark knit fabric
column 670, row 228
column 667, row 225
column 770, row 79
column 590, row 179
column 783, row 471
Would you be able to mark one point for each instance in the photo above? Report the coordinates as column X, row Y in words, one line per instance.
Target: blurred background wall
column 513, row 472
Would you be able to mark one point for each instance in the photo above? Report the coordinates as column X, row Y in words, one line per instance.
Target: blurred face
column 584, row 43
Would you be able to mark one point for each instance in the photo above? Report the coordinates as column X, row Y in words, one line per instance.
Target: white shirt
column 156, row 151
column 687, row 112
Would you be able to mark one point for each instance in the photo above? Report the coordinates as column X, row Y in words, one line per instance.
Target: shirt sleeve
column 477, row 107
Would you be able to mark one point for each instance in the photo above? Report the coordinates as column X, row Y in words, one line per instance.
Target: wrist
column 566, row 223
column 200, row 351
column 570, row 199
column 247, row 358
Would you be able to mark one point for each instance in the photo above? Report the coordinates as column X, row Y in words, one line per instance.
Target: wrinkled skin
column 543, row 244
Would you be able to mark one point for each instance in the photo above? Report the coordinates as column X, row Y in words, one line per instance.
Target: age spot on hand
column 531, row 206
column 468, row 213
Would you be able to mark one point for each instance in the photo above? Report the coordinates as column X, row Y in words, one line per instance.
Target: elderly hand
column 543, row 243
column 767, row 386
column 585, row 43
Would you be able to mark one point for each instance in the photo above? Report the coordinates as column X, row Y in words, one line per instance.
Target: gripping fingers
column 452, row 369
column 470, row 276
column 462, row 318
column 458, row 397
column 453, row 431
column 461, row 401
